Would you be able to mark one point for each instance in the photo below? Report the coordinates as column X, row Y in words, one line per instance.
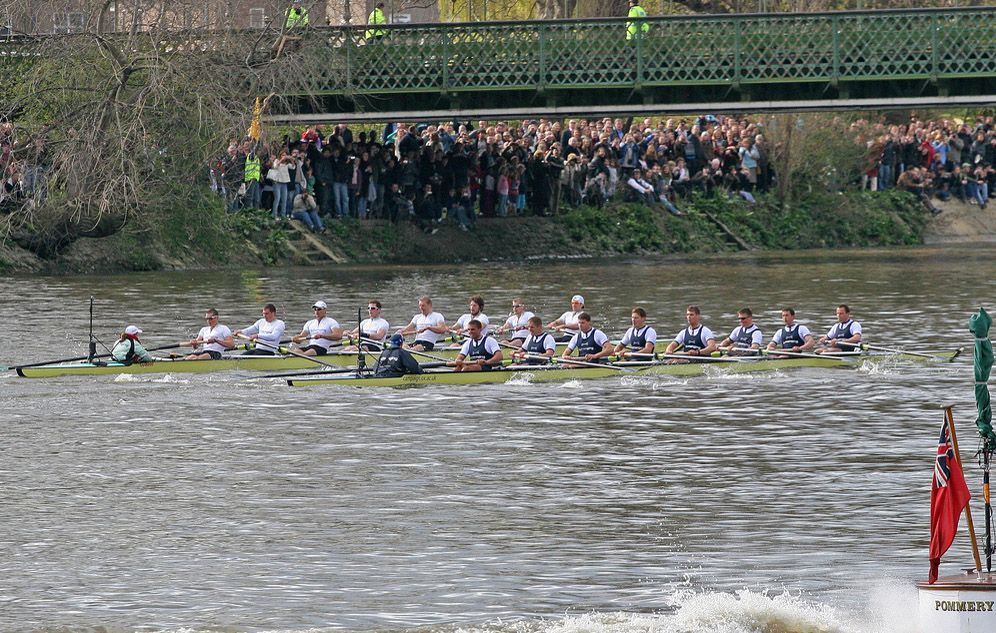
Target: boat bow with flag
column 948, row 497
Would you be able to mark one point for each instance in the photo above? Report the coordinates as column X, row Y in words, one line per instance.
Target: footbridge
column 757, row 62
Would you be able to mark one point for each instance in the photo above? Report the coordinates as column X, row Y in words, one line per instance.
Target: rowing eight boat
column 284, row 363
column 561, row 372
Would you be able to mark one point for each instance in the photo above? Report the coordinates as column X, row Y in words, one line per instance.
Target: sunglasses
column 372, row 308
column 742, row 318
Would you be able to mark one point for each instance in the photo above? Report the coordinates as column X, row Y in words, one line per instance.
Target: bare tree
column 122, row 125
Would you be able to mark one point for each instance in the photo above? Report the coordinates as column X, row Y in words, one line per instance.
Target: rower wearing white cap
column 427, row 326
column 128, row 349
column 320, row 332
column 265, row 333
column 213, row 339
column 568, row 321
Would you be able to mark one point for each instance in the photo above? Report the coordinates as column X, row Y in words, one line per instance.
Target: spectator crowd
column 425, row 173
column 941, row 159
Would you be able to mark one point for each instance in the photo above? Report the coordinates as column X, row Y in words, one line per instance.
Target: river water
column 787, row 501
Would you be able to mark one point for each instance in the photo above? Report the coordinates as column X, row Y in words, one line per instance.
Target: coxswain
column 426, row 325
column 694, row 340
column 479, row 352
column 640, row 339
column 844, row 336
column 128, row 349
column 567, row 324
column 591, row 343
column 265, row 333
column 536, row 344
column 372, row 331
column 395, row 361
column 746, row 338
column 476, row 307
column 792, row 337
column 320, row 332
column 213, row 339
column 517, row 323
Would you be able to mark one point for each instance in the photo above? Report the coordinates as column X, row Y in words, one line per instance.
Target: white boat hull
column 958, row 604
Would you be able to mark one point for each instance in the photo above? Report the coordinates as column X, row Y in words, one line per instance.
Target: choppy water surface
column 789, row 501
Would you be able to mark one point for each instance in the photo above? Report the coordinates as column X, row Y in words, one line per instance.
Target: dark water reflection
column 222, row 502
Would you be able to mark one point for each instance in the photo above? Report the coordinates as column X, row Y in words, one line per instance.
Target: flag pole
column 968, row 506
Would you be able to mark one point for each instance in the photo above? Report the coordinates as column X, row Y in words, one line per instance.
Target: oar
column 582, row 363
column 708, row 359
column 892, row 350
column 77, row 358
column 832, row 355
column 313, row 359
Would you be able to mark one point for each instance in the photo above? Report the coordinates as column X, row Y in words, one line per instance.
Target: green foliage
column 622, row 228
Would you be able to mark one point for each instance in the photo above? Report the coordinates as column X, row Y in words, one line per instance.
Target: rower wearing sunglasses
column 373, row 329
column 517, row 323
column 212, row 340
column 746, row 338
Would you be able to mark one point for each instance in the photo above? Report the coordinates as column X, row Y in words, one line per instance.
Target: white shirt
column 706, row 335
column 755, row 337
column 570, row 318
column 467, row 318
column 315, row 327
column 780, row 334
column 855, row 329
column 519, row 324
column 650, row 335
column 490, row 346
column 218, row 332
column 600, row 339
column 370, row 327
column 269, row 333
column 421, row 321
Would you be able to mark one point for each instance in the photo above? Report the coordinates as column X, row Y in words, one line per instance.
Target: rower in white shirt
column 639, row 339
column 591, row 343
column 538, row 343
column 567, row 324
column 320, row 332
column 374, row 329
column 844, row 336
column 517, row 323
column 793, row 337
column 694, row 340
column 746, row 338
column 476, row 307
column 427, row 326
column 265, row 333
column 479, row 352
column 213, row 339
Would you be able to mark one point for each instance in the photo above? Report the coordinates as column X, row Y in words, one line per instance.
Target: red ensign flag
column 948, row 498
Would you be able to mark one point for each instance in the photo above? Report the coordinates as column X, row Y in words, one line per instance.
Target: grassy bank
column 195, row 238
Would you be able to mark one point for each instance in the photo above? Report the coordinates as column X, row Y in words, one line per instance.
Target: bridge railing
column 686, row 50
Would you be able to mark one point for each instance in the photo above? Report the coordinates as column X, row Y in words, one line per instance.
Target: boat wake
column 151, row 378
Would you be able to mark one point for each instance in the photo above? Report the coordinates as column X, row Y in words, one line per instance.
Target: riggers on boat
column 563, row 371
column 343, row 359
